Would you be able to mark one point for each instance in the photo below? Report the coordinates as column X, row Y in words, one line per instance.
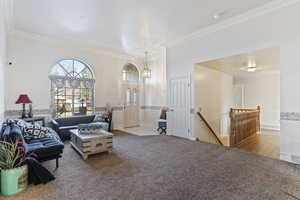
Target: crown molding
column 60, row 42
column 267, row 8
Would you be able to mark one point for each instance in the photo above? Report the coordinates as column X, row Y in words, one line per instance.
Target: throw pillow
column 34, row 131
column 21, row 123
column 50, row 133
column 99, row 118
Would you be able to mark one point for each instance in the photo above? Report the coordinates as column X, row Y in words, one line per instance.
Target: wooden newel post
column 231, row 134
column 258, row 119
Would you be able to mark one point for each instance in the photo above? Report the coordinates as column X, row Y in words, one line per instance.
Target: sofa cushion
column 75, row 120
column 92, row 127
column 103, row 125
column 44, row 147
column 65, row 134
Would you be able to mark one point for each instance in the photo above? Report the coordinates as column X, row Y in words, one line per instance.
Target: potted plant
column 14, row 171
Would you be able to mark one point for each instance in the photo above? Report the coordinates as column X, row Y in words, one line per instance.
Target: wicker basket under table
column 88, row 144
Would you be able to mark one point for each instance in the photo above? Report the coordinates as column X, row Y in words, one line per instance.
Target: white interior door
column 131, row 108
column 179, row 104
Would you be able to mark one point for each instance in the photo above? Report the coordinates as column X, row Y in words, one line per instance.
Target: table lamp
column 23, row 99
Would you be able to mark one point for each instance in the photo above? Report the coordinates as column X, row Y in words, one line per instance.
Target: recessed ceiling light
column 219, row 15
column 250, row 66
column 216, row 16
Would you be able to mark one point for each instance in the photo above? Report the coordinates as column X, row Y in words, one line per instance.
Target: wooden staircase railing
column 244, row 123
column 210, row 128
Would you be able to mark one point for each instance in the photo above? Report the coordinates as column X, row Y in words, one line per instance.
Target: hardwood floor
column 265, row 144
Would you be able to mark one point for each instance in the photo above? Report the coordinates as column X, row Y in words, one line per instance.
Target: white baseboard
column 285, row 157
column 193, row 138
column 290, row 157
column 270, row 127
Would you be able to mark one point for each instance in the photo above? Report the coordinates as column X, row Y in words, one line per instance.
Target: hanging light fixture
column 250, row 66
column 146, row 70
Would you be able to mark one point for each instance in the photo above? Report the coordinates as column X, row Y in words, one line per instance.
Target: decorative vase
column 14, row 180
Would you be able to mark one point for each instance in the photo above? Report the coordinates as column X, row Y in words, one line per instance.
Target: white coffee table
column 89, row 144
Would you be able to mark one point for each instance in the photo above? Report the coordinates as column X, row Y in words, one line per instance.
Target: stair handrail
column 210, row 128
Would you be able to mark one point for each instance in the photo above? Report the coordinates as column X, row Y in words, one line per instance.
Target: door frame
column 130, row 84
column 125, row 86
column 188, row 77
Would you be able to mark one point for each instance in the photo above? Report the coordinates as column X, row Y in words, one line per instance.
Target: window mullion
column 73, row 98
column 82, row 70
column 63, row 68
column 65, row 98
column 57, row 101
column 73, row 69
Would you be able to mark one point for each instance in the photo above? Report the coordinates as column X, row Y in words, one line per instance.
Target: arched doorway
column 130, row 87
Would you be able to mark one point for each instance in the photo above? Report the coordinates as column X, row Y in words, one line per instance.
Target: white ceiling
column 265, row 59
column 123, row 25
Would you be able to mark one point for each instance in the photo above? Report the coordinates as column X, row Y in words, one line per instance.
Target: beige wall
column 213, row 93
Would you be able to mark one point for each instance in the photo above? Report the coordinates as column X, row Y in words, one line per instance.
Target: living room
column 108, row 81
column 69, row 64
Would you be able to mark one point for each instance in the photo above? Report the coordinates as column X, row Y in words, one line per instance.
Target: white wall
column 213, row 93
column 155, row 89
column 33, row 56
column 290, row 98
column 268, row 28
column 3, row 59
column 32, row 60
column 263, row 89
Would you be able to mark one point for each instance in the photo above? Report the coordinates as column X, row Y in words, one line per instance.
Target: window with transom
column 72, row 88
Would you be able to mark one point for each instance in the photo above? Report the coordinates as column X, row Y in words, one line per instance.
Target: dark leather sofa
column 63, row 125
column 44, row 148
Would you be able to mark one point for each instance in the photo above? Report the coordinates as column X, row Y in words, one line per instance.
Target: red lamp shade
column 23, row 98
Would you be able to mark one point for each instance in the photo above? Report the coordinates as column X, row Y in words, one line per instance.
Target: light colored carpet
column 140, row 131
column 164, row 167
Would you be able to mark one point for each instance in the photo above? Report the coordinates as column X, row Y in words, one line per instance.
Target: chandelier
column 146, row 70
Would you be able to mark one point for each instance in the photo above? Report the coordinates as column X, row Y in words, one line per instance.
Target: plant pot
column 14, row 180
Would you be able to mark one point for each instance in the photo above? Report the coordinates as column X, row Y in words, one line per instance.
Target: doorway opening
column 237, row 99
column 130, row 87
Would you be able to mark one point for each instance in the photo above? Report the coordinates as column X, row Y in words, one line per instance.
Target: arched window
column 72, row 88
column 130, row 73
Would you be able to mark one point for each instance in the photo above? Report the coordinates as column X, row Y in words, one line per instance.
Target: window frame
column 69, row 76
